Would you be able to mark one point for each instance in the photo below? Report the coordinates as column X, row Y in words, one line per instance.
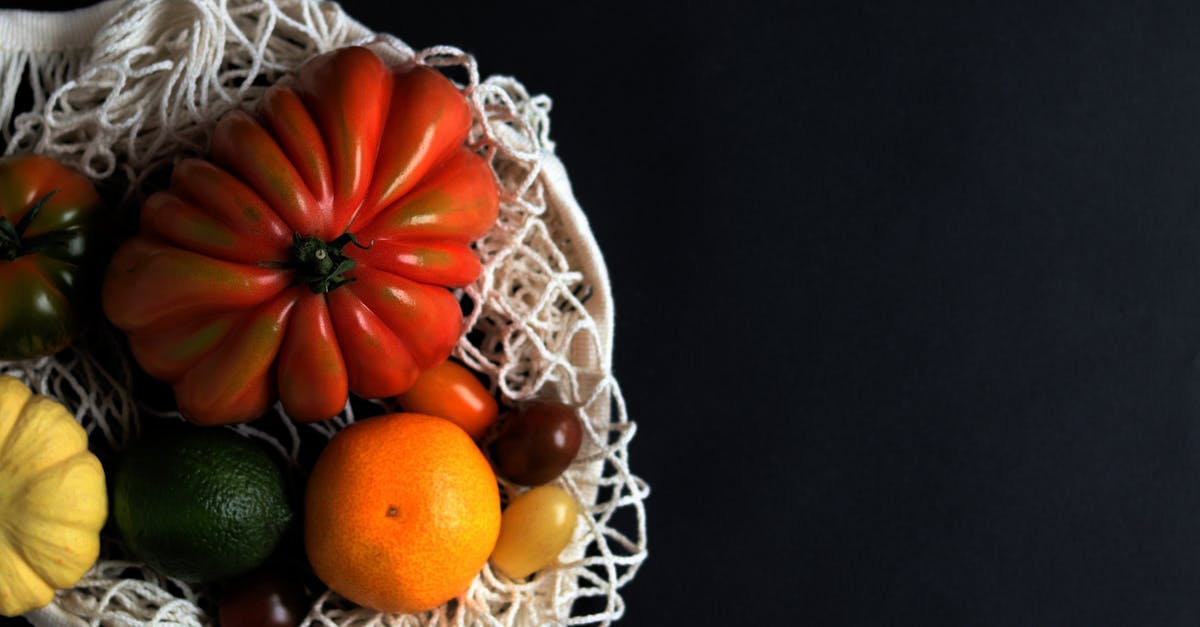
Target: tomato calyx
column 11, row 243
column 323, row 265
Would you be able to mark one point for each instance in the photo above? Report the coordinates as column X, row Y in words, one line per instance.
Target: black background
column 908, row 299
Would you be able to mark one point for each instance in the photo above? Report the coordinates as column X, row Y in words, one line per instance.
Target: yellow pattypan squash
column 52, row 499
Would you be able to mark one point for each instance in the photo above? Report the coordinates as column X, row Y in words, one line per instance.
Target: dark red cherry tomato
column 262, row 598
column 537, row 442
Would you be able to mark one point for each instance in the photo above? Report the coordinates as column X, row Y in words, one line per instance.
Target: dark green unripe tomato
column 50, row 217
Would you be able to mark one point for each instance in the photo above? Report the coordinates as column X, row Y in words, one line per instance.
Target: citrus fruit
column 200, row 504
column 401, row 512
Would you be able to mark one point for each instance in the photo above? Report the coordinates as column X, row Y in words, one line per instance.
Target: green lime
column 200, row 504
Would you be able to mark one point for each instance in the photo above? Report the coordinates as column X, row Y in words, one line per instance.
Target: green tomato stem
column 323, row 265
column 11, row 245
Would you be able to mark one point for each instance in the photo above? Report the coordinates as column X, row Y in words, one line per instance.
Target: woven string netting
column 152, row 84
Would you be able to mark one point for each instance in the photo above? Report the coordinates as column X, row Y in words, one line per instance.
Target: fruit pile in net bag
column 298, row 324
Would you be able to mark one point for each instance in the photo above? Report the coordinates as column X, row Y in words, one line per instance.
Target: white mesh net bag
column 122, row 89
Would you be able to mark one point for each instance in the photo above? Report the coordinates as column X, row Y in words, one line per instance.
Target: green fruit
column 200, row 504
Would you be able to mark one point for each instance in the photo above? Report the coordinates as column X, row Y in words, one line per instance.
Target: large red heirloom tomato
column 312, row 257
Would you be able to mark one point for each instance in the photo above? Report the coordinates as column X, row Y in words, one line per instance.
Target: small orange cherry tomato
column 451, row 391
